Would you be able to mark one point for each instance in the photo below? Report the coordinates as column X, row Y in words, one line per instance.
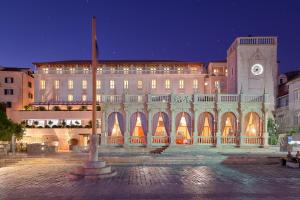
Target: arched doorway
column 138, row 128
column 229, row 128
column 160, row 128
column 73, row 144
column 206, row 131
column 183, row 128
column 115, row 128
column 253, row 128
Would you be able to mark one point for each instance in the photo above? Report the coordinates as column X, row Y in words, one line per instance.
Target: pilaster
column 173, row 127
column 195, row 134
column 127, row 128
column 149, row 134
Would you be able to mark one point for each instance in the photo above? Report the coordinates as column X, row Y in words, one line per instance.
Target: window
column 226, row 72
column 70, row 84
column 152, row 70
column 72, row 70
column 83, row 97
column 216, row 70
column 42, row 84
column 84, row 84
column 30, row 95
column 99, row 70
column 297, row 119
column 98, row 98
column 9, row 79
column 126, row 70
column 125, row 84
column 45, row 70
column 194, row 70
column 181, row 84
column 57, row 97
column 195, row 84
column 206, row 83
column 179, row 70
column 98, row 84
column 297, row 95
column 112, row 70
column 56, row 84
column 70, row 97
column 42, row 98
column 166, row 70
column 8, row 91
column 85, row 70
column 59, row 70
column 217, row 84
column 139, row 70
column 112, row 84
column 167, row 84
column 140, row 84
column 153, row 84
column 29, row 84
column 8, row 104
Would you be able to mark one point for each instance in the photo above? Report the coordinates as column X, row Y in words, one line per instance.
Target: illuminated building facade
column 156, row 103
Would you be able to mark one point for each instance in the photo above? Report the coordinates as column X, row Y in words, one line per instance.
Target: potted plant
column 69, row 108
column 56, row 108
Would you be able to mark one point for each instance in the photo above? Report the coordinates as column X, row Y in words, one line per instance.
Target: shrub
column 69, row 108
column 28, row 107
column 47, row 126
column 54, row 126
column 41, row 108
column 83, row 108
column 56, row 108
column 63, row 123
column 98, row 108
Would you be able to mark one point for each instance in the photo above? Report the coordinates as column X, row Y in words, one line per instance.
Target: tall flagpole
column 93, row 168
column 93, row 156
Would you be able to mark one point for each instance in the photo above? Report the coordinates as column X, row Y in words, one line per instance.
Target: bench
column 290, row 162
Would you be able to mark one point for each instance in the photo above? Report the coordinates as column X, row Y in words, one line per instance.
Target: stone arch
column 229, row 124
column 115, row 124
column 253, row 125
column 183, row 125
column 206, row 126
column 141, row 119
column 165, row 124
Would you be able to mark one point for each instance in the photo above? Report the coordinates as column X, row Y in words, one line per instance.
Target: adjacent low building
column 288, row 102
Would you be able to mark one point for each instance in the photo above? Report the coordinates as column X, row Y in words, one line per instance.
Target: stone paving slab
column 48, row 178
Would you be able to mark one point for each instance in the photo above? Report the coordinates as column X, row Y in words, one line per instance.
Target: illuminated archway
column 138, row 124
column 229, row 127
column 160, row 124
column 115, row 124
column 253, row 128
column 206, row 125
column 183, row 128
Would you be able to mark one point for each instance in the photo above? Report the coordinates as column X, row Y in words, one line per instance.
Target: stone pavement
column 47, row 178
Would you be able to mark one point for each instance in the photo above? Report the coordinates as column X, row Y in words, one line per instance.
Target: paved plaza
column 165, row 177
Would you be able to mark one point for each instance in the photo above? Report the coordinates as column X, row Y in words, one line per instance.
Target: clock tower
column 252, row 67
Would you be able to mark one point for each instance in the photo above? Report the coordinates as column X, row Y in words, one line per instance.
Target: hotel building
column 157, row 103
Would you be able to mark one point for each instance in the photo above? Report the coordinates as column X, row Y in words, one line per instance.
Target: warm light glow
column 160, row 128
column 228, row 128
column 206, row 132
column 182, row 135
column 116, row 131
column 138, row 129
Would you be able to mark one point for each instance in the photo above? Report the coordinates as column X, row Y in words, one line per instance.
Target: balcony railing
column 138, row 140
column 254, row 140
column 160, row 140
column 206, row 140
column 229, row 140
column 157, row 98
column 115, row 140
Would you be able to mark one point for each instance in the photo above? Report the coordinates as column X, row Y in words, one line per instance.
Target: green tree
column 273, row 131
column 8, row 128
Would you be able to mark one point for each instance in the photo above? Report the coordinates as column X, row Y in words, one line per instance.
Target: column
column 173, row 127
column 103, row 128
column 127, row 128
column 218, row 127
column 266, row 134
column 241, row 129
column 195, row 134
column 149, row 134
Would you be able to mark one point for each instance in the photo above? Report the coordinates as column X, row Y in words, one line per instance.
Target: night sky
column 190, row 30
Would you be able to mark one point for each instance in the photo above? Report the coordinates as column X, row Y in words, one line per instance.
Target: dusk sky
column 189, row 30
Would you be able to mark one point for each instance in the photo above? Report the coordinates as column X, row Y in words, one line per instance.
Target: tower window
column 181, row 84
column 125, row 84
column 70, row 84
column 42, row 84
column 112, row 84
column 84, row 84
column 140, row 84
column 167, row 84
column 153, row 84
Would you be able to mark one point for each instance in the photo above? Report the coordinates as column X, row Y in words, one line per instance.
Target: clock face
column 257, row 69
